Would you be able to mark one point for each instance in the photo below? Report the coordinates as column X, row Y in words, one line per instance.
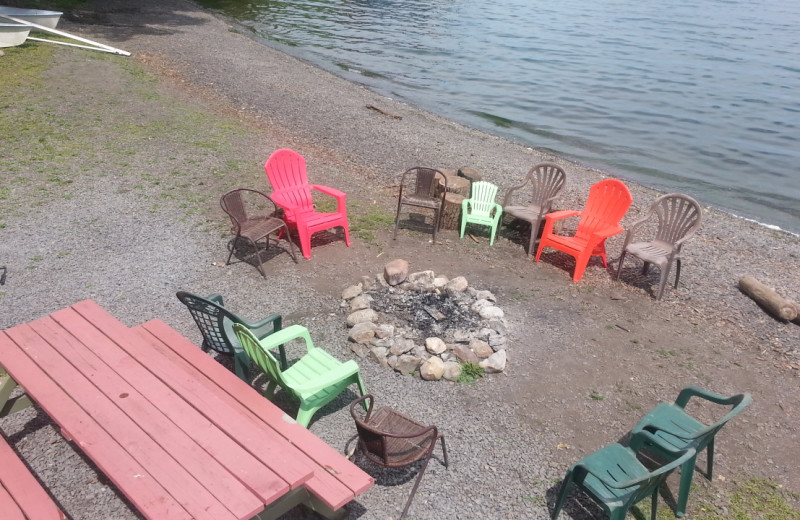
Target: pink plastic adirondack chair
column 608, row 202
column 286, row 171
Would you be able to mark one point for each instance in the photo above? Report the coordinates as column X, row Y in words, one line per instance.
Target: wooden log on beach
column 455, row 184
column 451, row 215
column 769, row 299
column 470, row 173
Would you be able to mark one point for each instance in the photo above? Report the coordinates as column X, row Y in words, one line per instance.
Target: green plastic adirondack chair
column 481, row 208
column 315, row 379
column 673, row 429
column 615, row 478
column 215, row 322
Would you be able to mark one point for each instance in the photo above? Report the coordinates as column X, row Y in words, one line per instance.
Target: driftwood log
column 768, row 299
column 451, row 215
column 455, row 184
column 470, row 173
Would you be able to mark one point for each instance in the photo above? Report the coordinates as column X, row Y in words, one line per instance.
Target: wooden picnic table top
column 180, row 435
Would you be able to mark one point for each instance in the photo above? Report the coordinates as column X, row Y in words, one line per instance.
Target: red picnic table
column 178, row 434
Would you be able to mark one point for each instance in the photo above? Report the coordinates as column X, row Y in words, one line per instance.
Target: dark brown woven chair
column 392, row 440
column 544, row 182
column 424, row 195
column 253, row 218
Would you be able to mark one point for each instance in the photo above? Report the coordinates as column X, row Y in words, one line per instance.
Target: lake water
column 700, row 97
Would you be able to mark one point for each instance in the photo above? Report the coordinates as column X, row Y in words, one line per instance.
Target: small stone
column 496, row 340
column 362, row 316
column 407, row 364
column 362, row 332
column 351, row 292
column 380, row 356
column 464, row 354
column 367, row 282
column 452, row 371
column 422, row 278
column 392, row 361
column 491, row 312
column 435, row 345
column 494, row 363
column 432, row 369
column 485, row 295
column 360, row 350
column 396, row 271
column 499, row 326
column 401, row 346
column 360, row 302
column 384, row 330
column 461, row 336
column 480, row 304
column 456, row 285
column 440, row 281
column 481, row 348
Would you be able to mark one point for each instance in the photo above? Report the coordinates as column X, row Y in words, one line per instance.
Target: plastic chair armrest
column 606, row 232
column 556, row 215
column 285, row 335
column 327, row 190
column 216, row 298
column 510, row 192
column 269, row 325
column 693, row 391
column 323, row 381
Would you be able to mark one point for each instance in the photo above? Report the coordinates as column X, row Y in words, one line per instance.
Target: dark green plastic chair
column 216, row 325
column 315, row 379
column 673, row 429
column 615, row 478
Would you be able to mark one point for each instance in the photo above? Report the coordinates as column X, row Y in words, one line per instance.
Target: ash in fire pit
column 425, row 323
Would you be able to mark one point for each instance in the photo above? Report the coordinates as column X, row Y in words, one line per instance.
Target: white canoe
column 13, row 34
column 47, row 19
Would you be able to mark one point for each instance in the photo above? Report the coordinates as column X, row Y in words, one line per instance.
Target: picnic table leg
column 294, row 498
column 10, row 405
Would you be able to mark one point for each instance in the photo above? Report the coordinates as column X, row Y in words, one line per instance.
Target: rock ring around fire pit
column 425, row 323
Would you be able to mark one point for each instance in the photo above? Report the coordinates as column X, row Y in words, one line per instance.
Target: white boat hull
column 13, row 34
column 47, row 19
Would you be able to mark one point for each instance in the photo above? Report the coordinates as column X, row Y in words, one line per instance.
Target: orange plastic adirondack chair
column 608, row 202
column 286, row 171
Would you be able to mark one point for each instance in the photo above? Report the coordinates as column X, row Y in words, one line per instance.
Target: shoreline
column 694, row 188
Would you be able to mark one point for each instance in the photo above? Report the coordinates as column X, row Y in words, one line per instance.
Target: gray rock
column 465, row 354
column 422, row 278
column 407, row 364
column 362, row 332
column 351, row 292
column 360, row 350
column 432, row 369
column 384, row 330
column 462, row 336
column 360, row 302
column 499, row 326
column 485, row 295
column 396, row 271
column 362, row 316
column 380, row 356
column 440, row 281
column 401, row 346
column 456, row 285
column 494, row 363
column 481, row 348
column 497, row 341
column 452, row 371
column 491, row 312
column 435, row 345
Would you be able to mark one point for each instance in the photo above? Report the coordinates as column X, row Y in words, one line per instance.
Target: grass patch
column 470, row 372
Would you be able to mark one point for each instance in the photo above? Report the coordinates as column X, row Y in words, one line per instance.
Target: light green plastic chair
column 674, row 429
column 315, row 379
column 615, row 478
column 481, row 208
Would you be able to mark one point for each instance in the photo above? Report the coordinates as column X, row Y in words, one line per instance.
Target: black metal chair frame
column 423, row 196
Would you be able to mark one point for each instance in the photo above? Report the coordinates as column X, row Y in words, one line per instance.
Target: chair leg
column 444, row 451
column 687, row 472
column 346, row 228
column 710, row 459
column 663, row 281
column 463, row 225
column 241, row 363
column 562, row 495
column 258, row 257
column 654, row 504
column 677, row 271
column 416, row 485
column 621, row 261
column 305, row 241
column 304, row 414
column 437, row 217
column 645, row 267
column 291, row 242
column 233, row 247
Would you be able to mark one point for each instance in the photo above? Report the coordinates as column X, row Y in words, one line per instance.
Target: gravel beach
column 141, row 148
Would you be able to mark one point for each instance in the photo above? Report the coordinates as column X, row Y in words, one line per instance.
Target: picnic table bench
column 178, row 434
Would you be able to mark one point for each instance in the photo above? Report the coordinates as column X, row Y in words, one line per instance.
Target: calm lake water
column 700, row 97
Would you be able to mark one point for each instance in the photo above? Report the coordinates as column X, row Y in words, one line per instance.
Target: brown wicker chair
column 545, row 181
column 423, row 196
column 240, row 204
column 392, row 440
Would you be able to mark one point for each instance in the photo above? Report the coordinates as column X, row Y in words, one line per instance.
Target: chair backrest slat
column 286, row 171
column 608, row 202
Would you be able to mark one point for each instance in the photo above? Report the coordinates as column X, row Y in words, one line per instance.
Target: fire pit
column 423, row 323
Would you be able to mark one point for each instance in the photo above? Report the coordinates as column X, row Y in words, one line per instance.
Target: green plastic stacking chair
column 215, row 322
column 481, row 208
column 615, row 478
column 315, row 379
column 673, row 429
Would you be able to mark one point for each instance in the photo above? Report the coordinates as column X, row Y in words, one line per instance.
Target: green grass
column 470, row 372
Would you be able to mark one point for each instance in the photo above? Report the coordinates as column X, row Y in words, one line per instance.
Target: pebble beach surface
column 130, row 253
